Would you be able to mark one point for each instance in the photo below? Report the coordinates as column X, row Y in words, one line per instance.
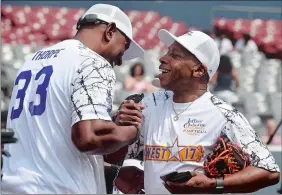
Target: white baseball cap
column 199, row 44
column 109, row 13
column 133, row 162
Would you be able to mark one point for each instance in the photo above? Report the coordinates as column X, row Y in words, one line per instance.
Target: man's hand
column 130, row 114
column 130, row 180
column 198, row 184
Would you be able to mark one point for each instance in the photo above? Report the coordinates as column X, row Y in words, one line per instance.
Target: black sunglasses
column 93, row 19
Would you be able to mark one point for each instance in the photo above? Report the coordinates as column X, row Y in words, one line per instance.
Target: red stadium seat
column 134, row 16
column 220, row 24
column 165, row 22
column 8, row 11
column 19, row 18
column 56, row 34
column 150, row 18
column 178, row 29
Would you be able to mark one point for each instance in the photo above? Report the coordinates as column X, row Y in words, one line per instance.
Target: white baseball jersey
column 55, row 88
column 184, row 144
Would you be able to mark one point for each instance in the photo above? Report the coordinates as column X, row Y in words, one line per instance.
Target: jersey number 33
column 41, row 90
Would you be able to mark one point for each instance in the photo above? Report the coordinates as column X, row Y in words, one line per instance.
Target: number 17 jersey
column 54, row 89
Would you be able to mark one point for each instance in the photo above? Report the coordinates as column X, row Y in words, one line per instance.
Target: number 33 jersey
column 54, row 89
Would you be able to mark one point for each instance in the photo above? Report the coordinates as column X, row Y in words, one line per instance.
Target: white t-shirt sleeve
column 239, row 131
column 92, row 90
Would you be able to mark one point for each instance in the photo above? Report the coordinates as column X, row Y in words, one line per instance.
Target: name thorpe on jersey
column 46, row 54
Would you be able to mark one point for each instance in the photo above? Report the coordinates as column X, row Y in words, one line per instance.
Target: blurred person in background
column 250, row 44
column 136, row 82
column 224, row 44
column 246, row 44
column 224, row 79
column 239, row 45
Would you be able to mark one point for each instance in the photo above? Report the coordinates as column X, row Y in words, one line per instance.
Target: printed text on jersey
column 173, row 153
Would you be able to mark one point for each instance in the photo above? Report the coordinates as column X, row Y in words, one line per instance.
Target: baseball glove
column 226, row 158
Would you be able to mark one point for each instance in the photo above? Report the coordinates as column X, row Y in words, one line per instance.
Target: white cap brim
column 133, row 51
column 167, row 38
column 133, row 162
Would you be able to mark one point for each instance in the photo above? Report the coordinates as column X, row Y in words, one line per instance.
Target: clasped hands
column 130, row 114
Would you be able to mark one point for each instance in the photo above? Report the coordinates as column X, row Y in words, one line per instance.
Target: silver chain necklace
column 176, row 117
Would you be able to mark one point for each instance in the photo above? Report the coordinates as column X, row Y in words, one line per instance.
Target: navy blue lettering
column 148, row 151
column 46, row 54
column 153, row 153
column 157, row 152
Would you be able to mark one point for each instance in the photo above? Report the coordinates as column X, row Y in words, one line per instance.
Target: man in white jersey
column 183, row 123
column 60, row 109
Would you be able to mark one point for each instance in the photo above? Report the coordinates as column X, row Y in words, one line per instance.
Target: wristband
column 219, row 189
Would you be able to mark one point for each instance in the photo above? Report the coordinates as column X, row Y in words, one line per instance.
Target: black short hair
column 89, row 22
column 132, row 69
column 247, row 36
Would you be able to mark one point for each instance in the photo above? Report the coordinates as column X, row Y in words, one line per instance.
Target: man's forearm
column 100, row 137
column 116, row 139
column 249, row 180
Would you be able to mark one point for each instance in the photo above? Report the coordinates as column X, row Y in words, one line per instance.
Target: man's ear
column 110, row 30
column 199, row 71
